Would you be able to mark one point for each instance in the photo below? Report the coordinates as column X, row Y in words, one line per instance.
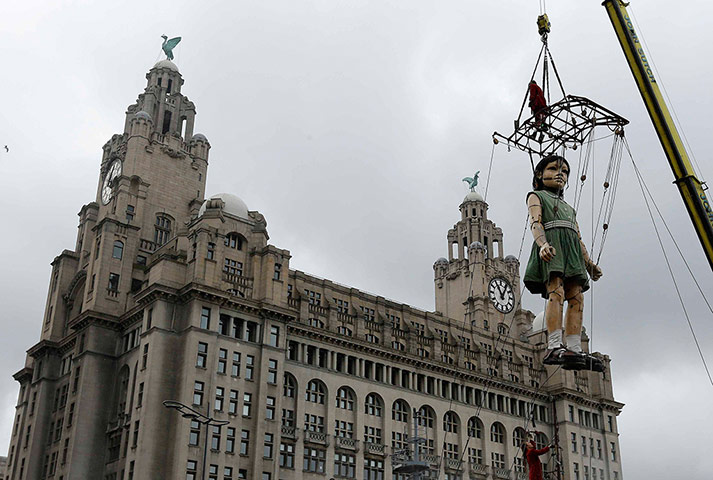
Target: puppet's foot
column 593, row 363
column 560, row 356
column 583, row 362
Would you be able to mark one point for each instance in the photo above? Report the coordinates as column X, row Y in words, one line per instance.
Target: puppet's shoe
column 556, row 356
column 574, row 361
column 593, row 363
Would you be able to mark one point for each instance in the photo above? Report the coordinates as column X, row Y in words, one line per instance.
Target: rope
column 487, row 182
column 645, row 189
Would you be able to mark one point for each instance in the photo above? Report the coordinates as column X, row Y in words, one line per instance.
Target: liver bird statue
column 472, row 181
column 169, row 45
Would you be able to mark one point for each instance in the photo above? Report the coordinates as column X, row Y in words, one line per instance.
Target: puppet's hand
column 547, row 252
column 594, row 271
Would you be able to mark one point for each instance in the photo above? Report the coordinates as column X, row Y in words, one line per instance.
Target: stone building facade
column 172, row 295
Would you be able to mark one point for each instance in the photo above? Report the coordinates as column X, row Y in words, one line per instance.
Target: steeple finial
column 169, row 45
column 472, row 181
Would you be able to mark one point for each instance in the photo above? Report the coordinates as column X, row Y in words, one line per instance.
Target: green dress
column 560, row 222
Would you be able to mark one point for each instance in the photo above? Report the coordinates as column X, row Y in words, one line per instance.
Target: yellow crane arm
column 692, row 190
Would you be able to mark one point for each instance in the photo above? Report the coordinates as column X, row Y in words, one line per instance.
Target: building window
column 475, row 456
column 425, row 417
column 198, row 390
column 227, row 473
column 576, row 471
column 371, row 338
column 345, row 399
column 234, row 240
column 205, row 318
column 314, row 423
column 290, row 386
column 344, row 465
column 118, row 251
column 451, row 423
column 162, row 231
column 113, row 282
column 215, row 439
column 373, row 405
column 276, row 273
column 270, row 408
column 249, row 366
column 288, row 417
column 219, row 398
column 244, row 442
column 314, row 460
column 342, row 306
column 233, row 267
column 247, row 404
column 145, row 356
column 230, row 440
column 315, row 392
column 194, row 436
column 612, row 449
column 584, row 445
column 373, row 469
column 202, row 357
column 235, row 369
column 573, row 441
column 400, row 411
column 129, row 213
column 497, row 433
column 367, row 314
column 139, row 395
column 372, row 434
column 222, row 361
column 274, row 336
column 343, row 429
column 497, row 460
column 268, row 445
column 233, row 402
column 191, row 470
column 314, row 298
column 287, row 455
column 396, row 345
column 346, row 331
column 210, row 254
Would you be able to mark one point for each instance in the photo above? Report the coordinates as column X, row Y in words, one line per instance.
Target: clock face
column 112, row 173
column 501, row 294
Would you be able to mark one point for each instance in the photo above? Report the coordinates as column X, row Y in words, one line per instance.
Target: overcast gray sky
column 349, row 126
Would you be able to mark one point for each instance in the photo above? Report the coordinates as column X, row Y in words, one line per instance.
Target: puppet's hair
column 540, row 168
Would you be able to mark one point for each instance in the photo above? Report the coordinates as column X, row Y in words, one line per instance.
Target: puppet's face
column 555, row 175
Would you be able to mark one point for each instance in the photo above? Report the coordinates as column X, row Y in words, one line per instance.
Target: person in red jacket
column 532, row 457
column 537, row 103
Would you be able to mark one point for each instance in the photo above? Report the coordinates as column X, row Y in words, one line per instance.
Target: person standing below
column 532, row 458
column 537, row 104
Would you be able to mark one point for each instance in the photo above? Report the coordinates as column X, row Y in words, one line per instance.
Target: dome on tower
column 511, row 258
column 477, row 245
column 199, row 137
column 233, row 205
column 143, row 115
column 473, row 197
column 538, row 323
column 441, row 261
column 166, row 64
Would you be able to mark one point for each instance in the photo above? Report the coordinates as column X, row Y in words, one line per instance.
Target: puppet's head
column 537, row 183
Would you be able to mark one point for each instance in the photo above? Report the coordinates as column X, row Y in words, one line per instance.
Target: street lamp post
column 188, row 412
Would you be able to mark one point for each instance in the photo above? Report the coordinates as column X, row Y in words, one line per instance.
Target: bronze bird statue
column 169, row 45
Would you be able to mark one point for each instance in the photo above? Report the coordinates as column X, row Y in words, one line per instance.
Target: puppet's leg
column 553, row 312
column 573, row 320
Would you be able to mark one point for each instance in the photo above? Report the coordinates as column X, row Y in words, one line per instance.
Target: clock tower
column 475, row 282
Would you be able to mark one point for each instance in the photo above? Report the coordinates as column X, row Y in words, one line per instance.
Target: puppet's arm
column 594, row 270
column 534, row 210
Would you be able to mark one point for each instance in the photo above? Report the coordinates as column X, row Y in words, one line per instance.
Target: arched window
column 345, row 399
column 234, row 240
column 162, row 232
column 118, row 250
column 400, row 411
column 315, row 392
column 342, row 330
column 290, row 386
column 541, row 440
column 451, row 422
column 497, row 433
column 475, row 427
column 423, row 353
column 374, row 405
column 519, row 436
column 425, row 416
column 502, row 329
column 398, row 345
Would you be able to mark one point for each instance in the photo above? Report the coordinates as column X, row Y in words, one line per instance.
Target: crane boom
column 692, row 190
